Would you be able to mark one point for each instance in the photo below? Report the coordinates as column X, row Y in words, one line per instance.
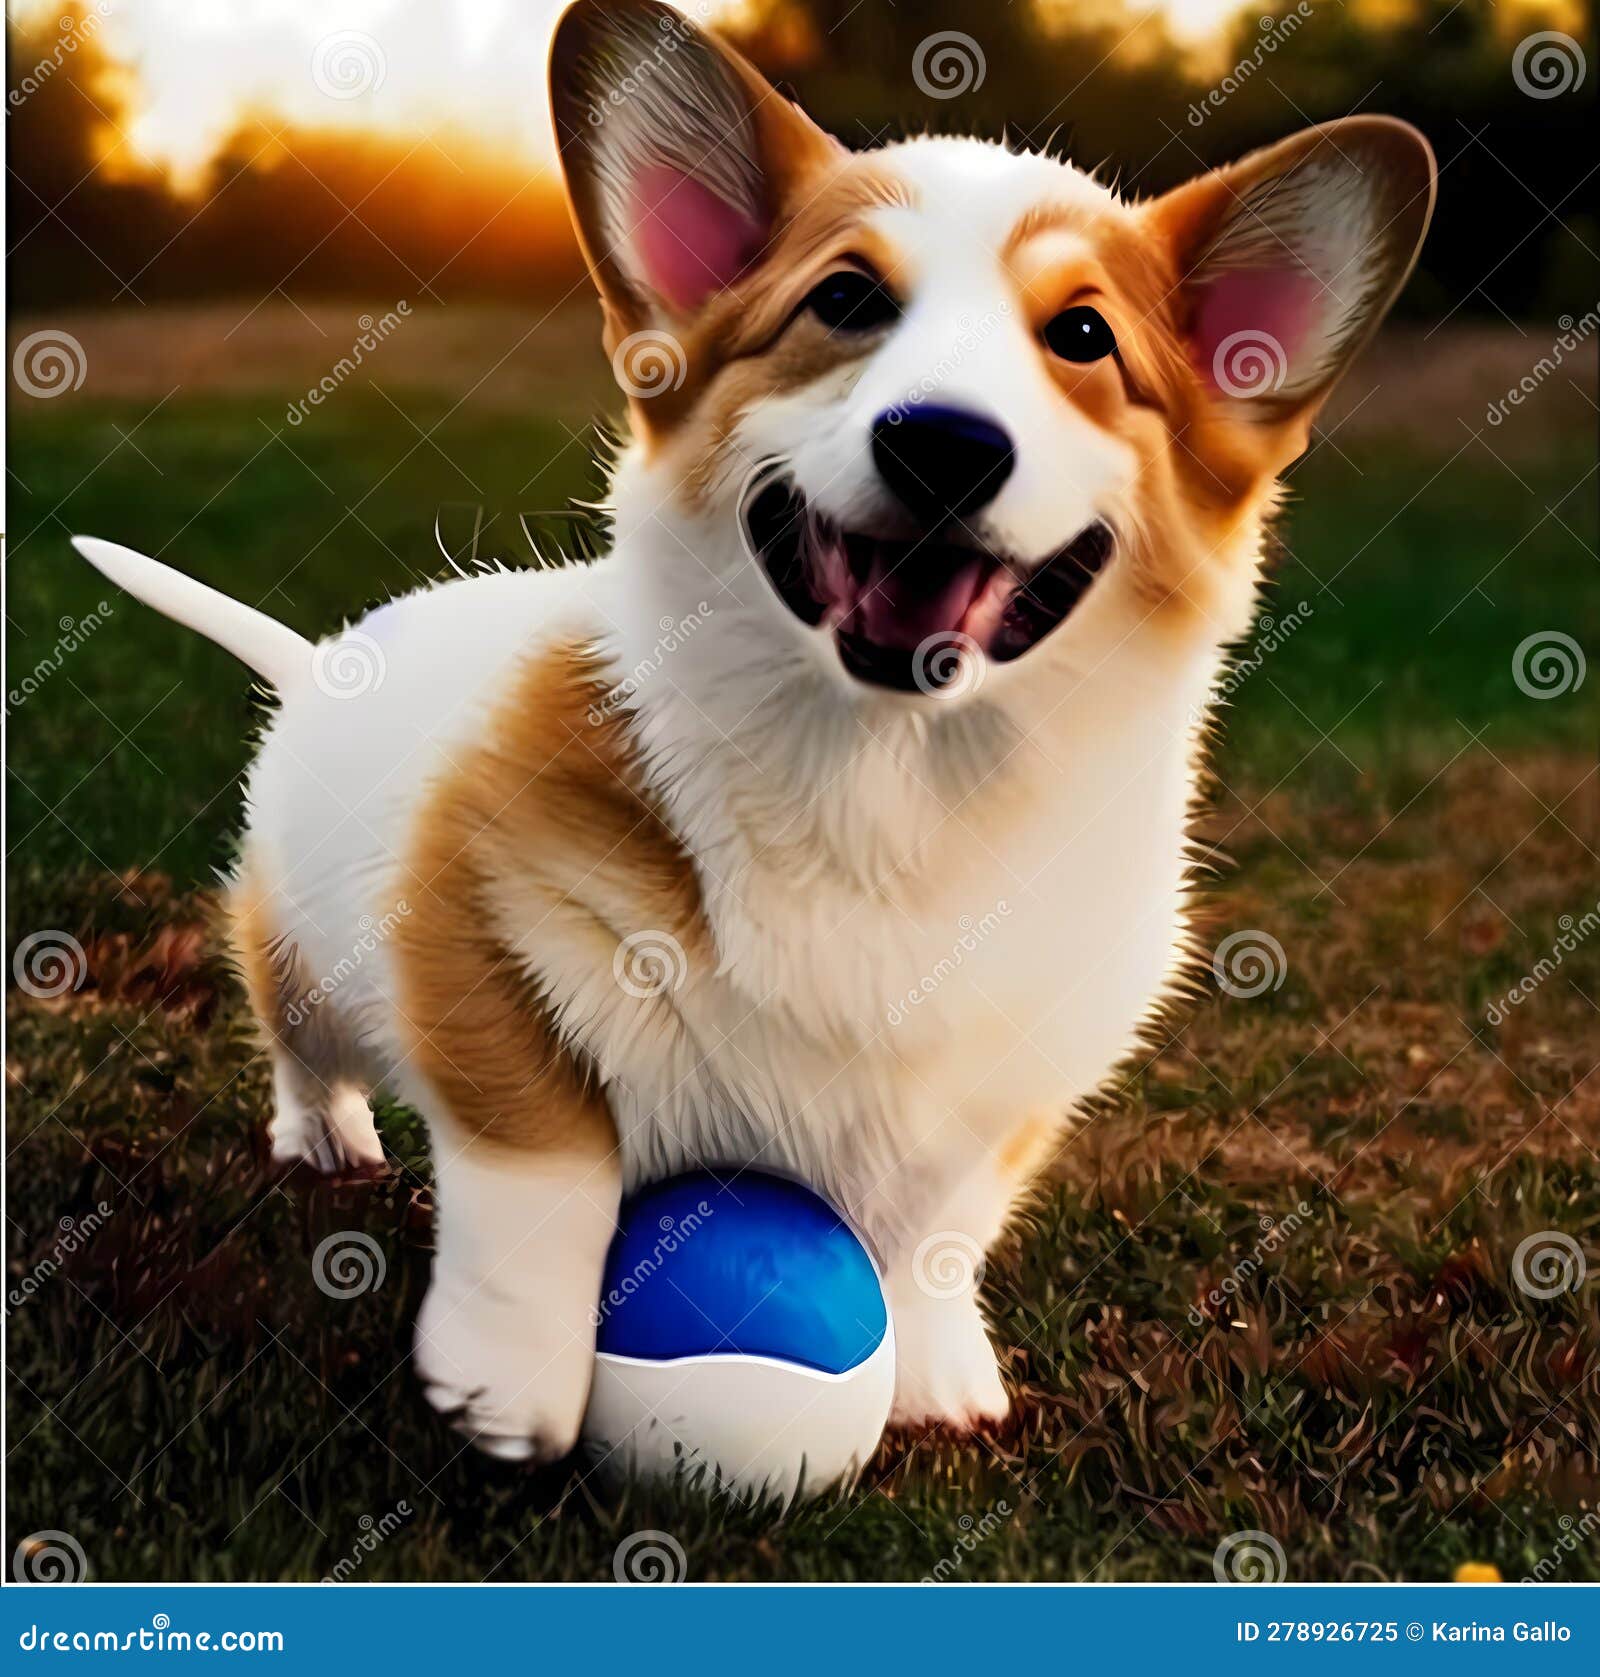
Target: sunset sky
column 424, row 67
column 400, row 65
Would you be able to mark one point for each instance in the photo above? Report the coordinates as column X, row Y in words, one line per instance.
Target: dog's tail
column 275, row 652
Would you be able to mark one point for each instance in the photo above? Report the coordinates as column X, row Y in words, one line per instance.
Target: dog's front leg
column 505, row 1337
column 946, row 1367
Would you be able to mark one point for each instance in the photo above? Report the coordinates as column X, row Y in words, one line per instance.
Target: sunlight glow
column 197, row 67
column 191, row 72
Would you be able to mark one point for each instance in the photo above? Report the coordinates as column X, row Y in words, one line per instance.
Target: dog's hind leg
column 320, row 1112
column 323, row 1120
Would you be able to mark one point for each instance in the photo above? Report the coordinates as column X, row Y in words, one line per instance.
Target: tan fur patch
column 1203, row 477
column 1028, row 1148
column 735, row 332
column 265, row 965
column 546, row 815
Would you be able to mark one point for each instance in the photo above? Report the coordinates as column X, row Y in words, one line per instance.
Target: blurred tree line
column 1515, row 233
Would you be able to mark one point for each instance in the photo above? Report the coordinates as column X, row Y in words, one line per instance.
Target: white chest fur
column 921, row 942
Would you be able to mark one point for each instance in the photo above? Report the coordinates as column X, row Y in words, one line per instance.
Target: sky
column 400, row 65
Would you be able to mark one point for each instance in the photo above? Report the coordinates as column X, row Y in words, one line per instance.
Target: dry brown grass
column 1415, row 385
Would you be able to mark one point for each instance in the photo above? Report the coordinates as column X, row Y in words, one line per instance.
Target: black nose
column 941, row 462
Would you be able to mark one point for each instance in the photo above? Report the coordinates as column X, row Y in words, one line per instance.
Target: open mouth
column 916, row 614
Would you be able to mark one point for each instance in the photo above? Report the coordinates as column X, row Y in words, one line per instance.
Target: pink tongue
column 902, row 605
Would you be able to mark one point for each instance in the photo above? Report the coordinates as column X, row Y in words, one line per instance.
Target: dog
column 836, row 822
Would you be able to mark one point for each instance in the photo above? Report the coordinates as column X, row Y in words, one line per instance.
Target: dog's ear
column 680, row 158
column 1289, row 259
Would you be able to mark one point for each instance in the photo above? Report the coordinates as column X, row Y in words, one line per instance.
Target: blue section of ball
column 739, row 1265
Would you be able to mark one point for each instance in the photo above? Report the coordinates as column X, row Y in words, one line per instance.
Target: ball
column 742, row 1336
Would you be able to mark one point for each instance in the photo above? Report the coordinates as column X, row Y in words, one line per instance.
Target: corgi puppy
column 835, row 822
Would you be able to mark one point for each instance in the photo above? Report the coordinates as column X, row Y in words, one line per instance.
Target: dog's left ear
column 1289, row 259
column 680, row 158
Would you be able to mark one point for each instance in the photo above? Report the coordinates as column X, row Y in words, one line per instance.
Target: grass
column 1375, row 1392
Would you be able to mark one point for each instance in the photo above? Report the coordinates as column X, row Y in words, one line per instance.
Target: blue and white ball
column 743, row 1332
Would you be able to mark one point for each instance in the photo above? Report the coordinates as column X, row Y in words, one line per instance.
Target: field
column 1274, row 1287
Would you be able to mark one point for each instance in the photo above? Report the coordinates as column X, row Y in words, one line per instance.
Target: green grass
column 313, row 527
column 186, row 1403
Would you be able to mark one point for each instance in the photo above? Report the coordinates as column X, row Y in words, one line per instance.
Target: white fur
column 276, row 653
column 505, row 1337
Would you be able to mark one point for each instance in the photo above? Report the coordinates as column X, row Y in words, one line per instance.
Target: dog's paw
column 510, row 1378
column 337, row 1138
column 945, row 1369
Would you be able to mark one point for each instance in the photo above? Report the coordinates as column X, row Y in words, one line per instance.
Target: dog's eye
column 851, row 301
column 1080, row 334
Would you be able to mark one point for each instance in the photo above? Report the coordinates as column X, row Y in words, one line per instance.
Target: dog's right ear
column 679, row 157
